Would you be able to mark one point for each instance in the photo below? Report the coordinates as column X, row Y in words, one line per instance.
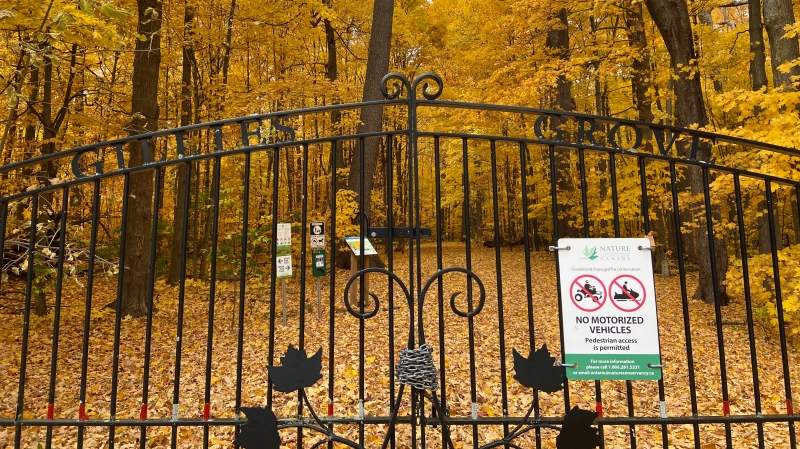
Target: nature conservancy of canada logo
column 591, row 253
column 607, row 253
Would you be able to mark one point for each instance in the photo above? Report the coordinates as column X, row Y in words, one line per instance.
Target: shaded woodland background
column 77, row 73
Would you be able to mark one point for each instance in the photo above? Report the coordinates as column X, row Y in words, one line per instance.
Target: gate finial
column 401, row 83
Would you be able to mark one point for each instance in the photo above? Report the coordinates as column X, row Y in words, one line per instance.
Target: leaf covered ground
column 370, row 371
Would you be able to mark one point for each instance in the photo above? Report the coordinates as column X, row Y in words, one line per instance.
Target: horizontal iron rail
column 272, row 146
column 430, row 103
column 606, row 119
column 432, row 421
column 206, row 125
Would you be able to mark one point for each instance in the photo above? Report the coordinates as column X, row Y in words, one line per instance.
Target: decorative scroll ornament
column 399, row 84
column 416, row 368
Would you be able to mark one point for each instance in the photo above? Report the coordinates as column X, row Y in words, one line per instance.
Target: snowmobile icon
column 588, row 291
column 626, row 293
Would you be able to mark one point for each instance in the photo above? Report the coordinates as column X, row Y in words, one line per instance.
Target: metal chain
column 416, row 368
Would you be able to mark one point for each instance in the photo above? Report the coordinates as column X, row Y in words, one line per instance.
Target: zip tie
column 49, row 411
column 474, row 410
column 663, row 409
column 726, row 408
column 143, row 412
column 566, row 365
column 658, row 366
column 175, row 412
column 557, row 248
column 599, row 408
column 646, row 248
column 207, row 411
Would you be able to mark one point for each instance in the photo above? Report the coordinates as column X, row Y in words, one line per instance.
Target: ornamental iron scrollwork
column 415, row 369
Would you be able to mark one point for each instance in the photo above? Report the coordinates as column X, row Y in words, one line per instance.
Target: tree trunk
column 558, row 44
column 640, row 68
column 380, row 42
column 758, row 73
column 144, row 107
column 332, row 74
column 777, row 15
column 672, row 20
column 178, row 226
column 371, row 118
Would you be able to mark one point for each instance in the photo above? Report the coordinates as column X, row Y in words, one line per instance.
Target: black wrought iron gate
column 423, row 344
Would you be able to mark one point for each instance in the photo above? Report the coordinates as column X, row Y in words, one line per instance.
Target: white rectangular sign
column 284, row 238
column 317, row 233
column 609, row 309
column 283, row 265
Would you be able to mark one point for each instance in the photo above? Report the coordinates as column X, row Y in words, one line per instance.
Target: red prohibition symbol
column 627, row 293
column 588, row 293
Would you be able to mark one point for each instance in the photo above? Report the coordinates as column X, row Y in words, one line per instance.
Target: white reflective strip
column 474, row 410
column 360, row 409
column 175, row 412
column 663, row 409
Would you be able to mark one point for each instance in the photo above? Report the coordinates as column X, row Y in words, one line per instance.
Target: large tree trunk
column 758, row 73
column 371, row 118
column 640, row 67
column 672, row 20
column 332, row 74
column 777, row 15
column 178, row 225
column 380, row 43
column 144, row 107
column 558, row 45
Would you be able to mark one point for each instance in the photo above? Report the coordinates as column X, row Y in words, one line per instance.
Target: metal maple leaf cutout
column 577, row 431
column 296, row 371
column 538, row 371
column 261, row 430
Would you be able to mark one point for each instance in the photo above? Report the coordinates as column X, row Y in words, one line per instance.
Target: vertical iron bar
column 717, row 306
column 88, row 309
column 390, row 267
column 274, row 270
column 212, row 294
column 123, row 238
column 439, row 281
column 303, row 248
column 749, row 306
column 473, row 389
column 242, row 286
column 498, row 270
column 687, row 330
column 787, row 380
column 332, row 291
column 646, row 217
column 598, row 394
column 362, row 293
column 528, row 278
column 181, row 297
column 554, row 208
column 23, row 365
column 615, row 208
column 149, row 325
column 51, row 395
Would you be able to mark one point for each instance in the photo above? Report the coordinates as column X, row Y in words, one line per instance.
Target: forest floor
column 259, row 331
